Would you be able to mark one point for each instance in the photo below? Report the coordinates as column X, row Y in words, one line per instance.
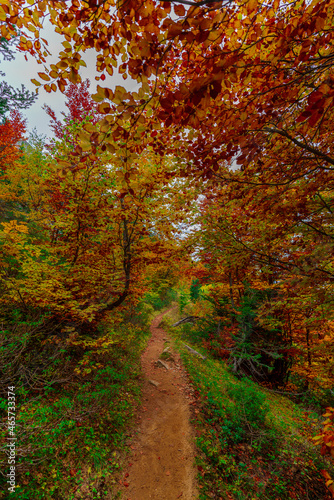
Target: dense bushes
column 75, row 396
column 261, row 350
column 160, row 298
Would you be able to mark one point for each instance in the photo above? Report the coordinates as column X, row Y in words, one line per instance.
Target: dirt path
column 161, row 465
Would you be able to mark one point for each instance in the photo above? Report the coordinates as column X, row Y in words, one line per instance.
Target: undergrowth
column 252, row 443
column 75, row 398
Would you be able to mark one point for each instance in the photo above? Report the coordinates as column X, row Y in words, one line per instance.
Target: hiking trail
column 161, row 463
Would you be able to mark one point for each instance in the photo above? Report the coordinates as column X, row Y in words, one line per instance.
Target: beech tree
column 240, row 94
column 265, row 257
column 242, row 84
column 87, row 236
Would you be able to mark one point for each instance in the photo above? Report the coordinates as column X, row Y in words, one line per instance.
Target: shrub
column 246, row 417
column 75, row 396
column 160, row 298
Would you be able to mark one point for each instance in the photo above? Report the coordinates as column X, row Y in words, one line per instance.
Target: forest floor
column 161, row 463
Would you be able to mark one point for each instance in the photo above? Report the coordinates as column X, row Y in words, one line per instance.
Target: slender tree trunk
column 231, row 290
column 309, row 357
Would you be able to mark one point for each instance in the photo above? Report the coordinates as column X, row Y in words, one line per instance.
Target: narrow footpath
column 161, row 466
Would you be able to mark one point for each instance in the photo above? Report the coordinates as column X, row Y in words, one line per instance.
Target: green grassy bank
column 252, row 443
column 75, row 399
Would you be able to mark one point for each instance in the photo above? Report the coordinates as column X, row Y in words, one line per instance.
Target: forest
column 203, row 191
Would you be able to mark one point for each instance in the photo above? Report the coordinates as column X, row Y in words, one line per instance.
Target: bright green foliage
column 160, row 286
column 183, row 299
column 249, row 412
column 253, row 443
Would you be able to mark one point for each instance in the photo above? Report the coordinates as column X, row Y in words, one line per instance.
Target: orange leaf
column 179, row 10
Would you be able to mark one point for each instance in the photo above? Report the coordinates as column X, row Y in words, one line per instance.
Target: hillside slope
column 252, row 442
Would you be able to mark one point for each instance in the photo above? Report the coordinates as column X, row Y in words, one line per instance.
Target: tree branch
column 300, row 144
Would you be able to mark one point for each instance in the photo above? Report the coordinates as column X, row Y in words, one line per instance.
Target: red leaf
column 303, row 116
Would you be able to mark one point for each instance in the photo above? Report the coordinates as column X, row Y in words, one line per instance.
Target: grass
column 252, row 443
column 71, row 435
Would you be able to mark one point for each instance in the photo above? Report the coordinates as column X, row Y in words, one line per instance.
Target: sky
column 20, row 71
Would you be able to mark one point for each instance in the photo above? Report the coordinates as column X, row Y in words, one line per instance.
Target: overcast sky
column 20, row 71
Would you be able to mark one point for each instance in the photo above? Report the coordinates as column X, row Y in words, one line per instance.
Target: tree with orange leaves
column 87, row 237
column 268, row 256
column 247, row 84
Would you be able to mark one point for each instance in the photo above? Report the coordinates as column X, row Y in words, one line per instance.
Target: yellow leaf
column 44, row 77
column 104, row 126
column 110, row 147
column 104, row 108
column 62, row 64
column 99, row 96
column 108, row 93
column 85, row 145
column 120, row 92
column 74, row 77
column 90, row 128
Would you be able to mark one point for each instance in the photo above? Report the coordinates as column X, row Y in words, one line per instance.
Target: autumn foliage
column 241, row 94
column 80, row 106
column 230, row 127
column 12, row 132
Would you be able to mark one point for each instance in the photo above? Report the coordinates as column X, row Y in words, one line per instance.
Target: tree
column 199, row 55
column 80, row 107
column 11, row 98
column 11, row 133
column 12, row 127
column 246, row 84
column 273, row 274
column 246, row 80
column 85, row 241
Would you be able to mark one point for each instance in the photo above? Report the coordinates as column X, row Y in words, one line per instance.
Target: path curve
column 161, row 465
